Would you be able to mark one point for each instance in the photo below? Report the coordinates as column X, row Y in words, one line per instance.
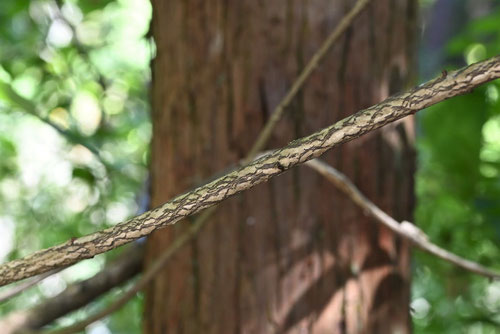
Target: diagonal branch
column 5, row 295
column 258, row 171
column 405, row 229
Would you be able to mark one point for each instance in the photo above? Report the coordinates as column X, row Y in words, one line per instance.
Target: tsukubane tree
column 292, row 254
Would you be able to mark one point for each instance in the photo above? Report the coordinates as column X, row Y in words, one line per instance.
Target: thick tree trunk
column 291, row 255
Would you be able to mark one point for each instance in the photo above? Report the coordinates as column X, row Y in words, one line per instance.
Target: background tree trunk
column 291, row 255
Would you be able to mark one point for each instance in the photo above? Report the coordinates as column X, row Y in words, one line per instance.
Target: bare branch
column 406, row 229
column 15, row 290
column 258, row 171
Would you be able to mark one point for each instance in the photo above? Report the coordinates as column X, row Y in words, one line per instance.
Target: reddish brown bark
column 291, row 254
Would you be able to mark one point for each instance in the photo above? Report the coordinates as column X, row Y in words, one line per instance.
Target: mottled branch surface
column 258, row 171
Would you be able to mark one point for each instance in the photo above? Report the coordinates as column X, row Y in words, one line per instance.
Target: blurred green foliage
column 458, row 191
column 74, row 131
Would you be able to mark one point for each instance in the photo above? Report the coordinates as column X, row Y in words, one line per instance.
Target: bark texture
column 292, row 255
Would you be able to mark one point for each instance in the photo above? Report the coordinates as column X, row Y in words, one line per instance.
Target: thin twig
column 345, row 23
column 405, row 229
column 258, row 171
column 15, row 290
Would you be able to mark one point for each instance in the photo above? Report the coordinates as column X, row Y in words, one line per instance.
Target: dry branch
column 5, row 295
column 405, row 229
column 258, row 171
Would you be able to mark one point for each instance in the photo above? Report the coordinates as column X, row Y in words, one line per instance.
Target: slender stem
column 15, row 290
column 405, row 229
